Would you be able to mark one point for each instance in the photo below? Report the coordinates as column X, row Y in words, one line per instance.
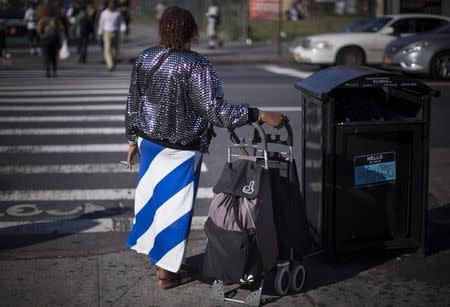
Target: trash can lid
column 321, row 83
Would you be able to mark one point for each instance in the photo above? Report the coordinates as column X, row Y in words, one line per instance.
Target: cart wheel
column 282, row 281
column 298, row 276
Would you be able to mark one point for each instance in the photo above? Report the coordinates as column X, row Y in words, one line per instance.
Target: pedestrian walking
column 80, row 31
column 3, row 27
column 175, row 99
column 49, row 30
column 109, row 29
column 31, row 18
column 127, row 21
column 213, row 21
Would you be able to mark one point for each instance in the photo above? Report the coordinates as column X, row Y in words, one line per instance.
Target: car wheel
column 440, row 67
column 350, row 56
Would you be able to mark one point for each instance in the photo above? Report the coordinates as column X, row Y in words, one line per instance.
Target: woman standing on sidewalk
column 174, row 100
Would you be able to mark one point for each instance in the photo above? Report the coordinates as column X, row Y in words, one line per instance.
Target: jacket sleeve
column 132, row 109
column 207, row 97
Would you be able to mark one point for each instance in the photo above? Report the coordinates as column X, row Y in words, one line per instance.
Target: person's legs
column 107, row 50
column 54, row 61
column 46, row 58
column 115, row 48
column 83, row 49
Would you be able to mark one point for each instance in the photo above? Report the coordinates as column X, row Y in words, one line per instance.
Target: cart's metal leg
column 254, row 298
column 217, row 292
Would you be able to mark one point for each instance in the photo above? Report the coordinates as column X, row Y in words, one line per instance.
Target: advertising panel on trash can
column 375, row 168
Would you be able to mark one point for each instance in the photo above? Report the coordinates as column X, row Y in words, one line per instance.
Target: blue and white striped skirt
column 163, row 207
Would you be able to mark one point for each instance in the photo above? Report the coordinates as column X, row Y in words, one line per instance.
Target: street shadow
column 32, row 233
column 438, row 229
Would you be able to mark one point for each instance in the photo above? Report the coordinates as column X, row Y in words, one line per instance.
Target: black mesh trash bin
column 365, row 158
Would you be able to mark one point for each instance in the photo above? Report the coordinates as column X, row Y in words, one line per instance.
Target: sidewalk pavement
column 54, row 271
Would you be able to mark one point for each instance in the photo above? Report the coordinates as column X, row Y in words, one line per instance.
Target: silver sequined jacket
column 178, row 102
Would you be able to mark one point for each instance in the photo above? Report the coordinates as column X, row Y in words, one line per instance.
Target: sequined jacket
column 174, row 98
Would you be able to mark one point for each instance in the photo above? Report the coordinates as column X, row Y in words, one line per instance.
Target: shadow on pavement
column 34, row 233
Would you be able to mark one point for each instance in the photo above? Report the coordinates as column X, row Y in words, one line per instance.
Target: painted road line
column 71, row 169
column 45, row 87
column 281, row 109
column 82, row 194
column 63, row 131
column 63, row 118
column 119, row 224
column 33, row 149
column 63, row 99
column 114, row 107
column 91, row 107
column 286, row 71
column 119, row 88
column 83, row 92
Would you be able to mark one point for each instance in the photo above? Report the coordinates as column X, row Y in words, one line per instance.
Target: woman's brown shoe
column 167, row 280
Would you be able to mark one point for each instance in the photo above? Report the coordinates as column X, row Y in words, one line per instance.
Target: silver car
column 427, row 54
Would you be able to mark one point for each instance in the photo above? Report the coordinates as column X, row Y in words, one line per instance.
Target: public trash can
column 365, row 138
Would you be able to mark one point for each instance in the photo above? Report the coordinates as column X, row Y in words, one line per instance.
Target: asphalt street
column 64, row 193
column 62, row 140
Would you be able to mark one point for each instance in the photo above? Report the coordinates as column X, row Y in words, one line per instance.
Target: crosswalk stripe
column 63, row 118
column 63, row 131
column 33, row 149
column 286, row 71
column 44, row 87
column 119, row 224
column 97, row 107
column 82, row 194
column 63, row 99
column 72, row 169
column 83, row 92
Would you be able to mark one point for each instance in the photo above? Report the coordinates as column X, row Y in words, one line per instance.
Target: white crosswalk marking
column 91, row 107
column 63, row 118
column 79, row 113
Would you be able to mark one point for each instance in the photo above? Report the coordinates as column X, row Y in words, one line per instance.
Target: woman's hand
column 132, row 151
column 274, row 119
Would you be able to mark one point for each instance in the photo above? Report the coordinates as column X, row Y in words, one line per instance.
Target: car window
column 445, row 29
column 428, row 24
column 375, row 24
column 404, row 26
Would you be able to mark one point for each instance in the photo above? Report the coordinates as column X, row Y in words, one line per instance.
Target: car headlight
column 417, row 46
column 320, row 45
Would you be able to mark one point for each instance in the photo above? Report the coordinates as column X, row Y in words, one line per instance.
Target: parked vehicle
column 366, row 45
column 354, row 25
column 427, row 54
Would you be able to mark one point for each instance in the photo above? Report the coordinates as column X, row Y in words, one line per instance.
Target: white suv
column 367, row 44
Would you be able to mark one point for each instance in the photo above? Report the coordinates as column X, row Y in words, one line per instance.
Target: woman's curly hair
column 177, row 28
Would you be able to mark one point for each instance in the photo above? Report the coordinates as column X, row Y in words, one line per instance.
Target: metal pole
column 280, row 12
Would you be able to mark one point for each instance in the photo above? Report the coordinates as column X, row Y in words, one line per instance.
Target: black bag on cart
column 240, row 227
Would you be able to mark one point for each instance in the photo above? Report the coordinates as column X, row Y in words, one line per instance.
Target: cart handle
column 240, row 142
column 275, row 139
